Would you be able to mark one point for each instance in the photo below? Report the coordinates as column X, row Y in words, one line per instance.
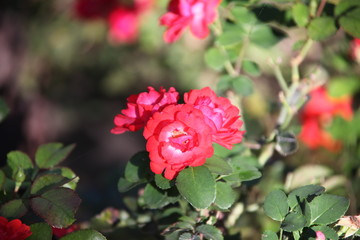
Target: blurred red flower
column 221, row 116
column 123, row 25
column 197, row 14
column 177, row 137
column 355, row 49
column 94, row 9
column 317, row 114
column 13, row 230
column 141, row 107
column 124, row 21
column 60, row 232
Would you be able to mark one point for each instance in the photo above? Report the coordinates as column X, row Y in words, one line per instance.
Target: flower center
column 181, row 140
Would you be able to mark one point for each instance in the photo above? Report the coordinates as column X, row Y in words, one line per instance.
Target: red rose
column 13, row 230
column 317, row 114
column 177, row 137
column 197, row 14
column 60, row 232
column 124, row 21
column 141, row 107
column 123, row 25
column 221, row 116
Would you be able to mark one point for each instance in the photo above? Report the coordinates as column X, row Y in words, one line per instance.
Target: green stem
column 299, row 59
column 281, row 234
column 279, row 76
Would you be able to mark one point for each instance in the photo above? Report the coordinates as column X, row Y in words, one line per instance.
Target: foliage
column 267, row 149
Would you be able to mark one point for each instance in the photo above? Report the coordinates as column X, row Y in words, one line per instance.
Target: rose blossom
column 221, row 116
column 197, row 14
column 124, row 21
column 123, row 25
column 140, row 108
column 13, row 230
column 317, row 113
column 177, row 137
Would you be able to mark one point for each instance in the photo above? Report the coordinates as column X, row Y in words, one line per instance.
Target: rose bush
column 197, row 14
column 221, row 116
column 13, row 230
column 317, row 114
column 177, row 137
column 140, row 108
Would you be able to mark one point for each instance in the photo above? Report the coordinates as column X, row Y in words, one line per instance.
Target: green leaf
column 321, row 28
column 47, row 181
column 286, row 143
column 218, row 165
column 294, row 221
column 231, row 37
column 276, row 206
column 197, row 186
column 57, row 206
column 341, row 86
column 13, row 209
column 124, row 185
column 19, row 160
column 138, row 168
column 269, row 235
column 188, row 236
column 327, row 231
column 87, row 234
column 242, row 85
column 301, row 193
column 210, row 232
column 346, row 5
column 162, row 182
column 243, row 173
column 51, row 154
column 243, row 16
column 224, row 84
column 2, row 179
column 225, row 195
column 40, row 231
column 251, row 68
column 301, row 14
column 326, row 209
column 153, row 197
column 262, row 36
column 351, row 22
column 215, row 59
column 4, row 110
column 67, row 173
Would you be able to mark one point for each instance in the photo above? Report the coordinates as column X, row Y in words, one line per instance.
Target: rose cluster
column 123, row 19
column 180, row 135
column 318, row 113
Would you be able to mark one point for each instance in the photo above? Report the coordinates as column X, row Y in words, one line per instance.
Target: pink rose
column 197, row 14
column 141, row 107
column 221, row 116
column 177, row 137
column 317, row 113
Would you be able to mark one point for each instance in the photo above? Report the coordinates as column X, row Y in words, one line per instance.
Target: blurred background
column 66, row 71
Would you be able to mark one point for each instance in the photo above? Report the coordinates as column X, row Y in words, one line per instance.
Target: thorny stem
column 292, row 100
